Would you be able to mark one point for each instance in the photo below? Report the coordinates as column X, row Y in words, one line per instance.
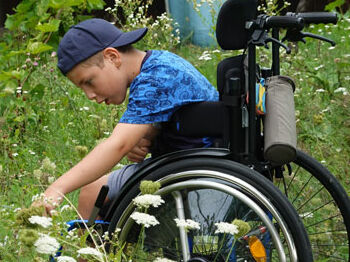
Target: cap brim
column 131, row 37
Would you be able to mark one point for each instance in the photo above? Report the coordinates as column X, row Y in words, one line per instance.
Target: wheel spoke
column 308, row 200
column 318, row 208
column 340, row 231
column 308, row 181
column 322, row 221
column 330, row 256
column 294, row 175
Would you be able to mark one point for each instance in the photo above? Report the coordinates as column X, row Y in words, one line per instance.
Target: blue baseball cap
column 89, row 37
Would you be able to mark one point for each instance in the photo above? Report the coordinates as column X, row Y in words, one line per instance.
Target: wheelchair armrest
column 199, row 120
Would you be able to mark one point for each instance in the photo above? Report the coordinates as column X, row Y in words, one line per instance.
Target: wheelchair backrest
column 230, row 27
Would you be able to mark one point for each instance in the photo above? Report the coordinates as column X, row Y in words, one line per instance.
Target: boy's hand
column 49, row 201
column 139, row 152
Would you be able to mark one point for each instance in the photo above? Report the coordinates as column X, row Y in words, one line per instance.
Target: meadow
column 47, row 125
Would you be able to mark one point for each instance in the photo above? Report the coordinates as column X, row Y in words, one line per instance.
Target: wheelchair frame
column 245, row 143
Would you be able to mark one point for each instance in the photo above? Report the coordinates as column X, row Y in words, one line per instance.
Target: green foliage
column 131, row 15
column 334, row 5
column 34, row 29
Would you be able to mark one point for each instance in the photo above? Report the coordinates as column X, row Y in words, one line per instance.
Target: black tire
column 323, row 205
column 201, row 170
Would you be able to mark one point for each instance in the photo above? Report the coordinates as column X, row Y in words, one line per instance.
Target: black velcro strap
column 234, row 101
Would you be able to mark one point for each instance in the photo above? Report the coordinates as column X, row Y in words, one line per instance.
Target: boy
column 98, row 58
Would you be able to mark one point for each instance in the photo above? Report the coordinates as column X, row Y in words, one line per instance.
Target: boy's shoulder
column 161, row 60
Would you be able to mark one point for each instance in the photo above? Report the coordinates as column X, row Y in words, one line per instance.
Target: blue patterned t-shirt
column 165, row 83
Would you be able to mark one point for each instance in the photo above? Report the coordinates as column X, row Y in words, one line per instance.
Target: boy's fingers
column 144, row 142
column 135, row 157
column 140, row 151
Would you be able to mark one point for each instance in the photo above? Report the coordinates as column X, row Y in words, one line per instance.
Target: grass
column 46, row 131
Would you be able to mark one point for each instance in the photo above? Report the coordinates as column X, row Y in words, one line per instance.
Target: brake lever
column 295, row 36
column 322, row 38
column 271, row 39
column 261, row 38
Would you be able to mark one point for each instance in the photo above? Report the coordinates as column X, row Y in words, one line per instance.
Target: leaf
column 57, row 4
column 14, row 53
column 14, row 74
column 38, row 47
column 10, row 23
column 19, row 118
column 51, row 26
column 333, row 5
column 95, row 4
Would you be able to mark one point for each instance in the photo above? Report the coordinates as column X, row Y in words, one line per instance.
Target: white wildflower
column 46, row 245
column 162, row 259
column 54, row 213
column 15, row 154
column 318, row 67
column 65, row 259
column 307, row 215
column 90, row 251
column 65, row 207
column 331, row 48
column 148, row 200
column 118, row 166
column 37, row 197
column 205, row 56
column 51, row 179
column 45, row 222
column 144, row 219
column 340, row 89
column 187, row 224
column 320, row 90
column 224, row 227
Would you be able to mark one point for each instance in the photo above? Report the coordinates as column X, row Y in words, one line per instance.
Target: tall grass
column 51, row 126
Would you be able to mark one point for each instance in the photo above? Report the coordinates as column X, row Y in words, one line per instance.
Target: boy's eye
column 88, row 82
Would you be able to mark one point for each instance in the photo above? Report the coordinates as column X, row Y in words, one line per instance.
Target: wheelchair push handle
column 316, row 17
column 284, row 22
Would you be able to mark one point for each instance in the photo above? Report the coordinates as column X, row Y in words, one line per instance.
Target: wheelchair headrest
column 230, row 27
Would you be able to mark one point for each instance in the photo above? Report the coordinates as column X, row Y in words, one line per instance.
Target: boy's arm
column 100, row 160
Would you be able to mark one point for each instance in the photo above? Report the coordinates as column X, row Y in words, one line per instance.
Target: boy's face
column 107, row 84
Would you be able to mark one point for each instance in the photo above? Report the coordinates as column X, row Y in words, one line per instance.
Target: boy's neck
column 133, row 63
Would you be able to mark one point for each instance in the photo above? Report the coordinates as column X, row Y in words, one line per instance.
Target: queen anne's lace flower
column 148, row 200
column 187, row 224
column 144, row 219
column 46, row 245
column 226, row 228
column 45, row 222
column 90, row 251
column 159, row 259
column 65, row 259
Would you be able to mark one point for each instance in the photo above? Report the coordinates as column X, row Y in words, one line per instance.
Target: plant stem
column 221, row 245
column 229, row 254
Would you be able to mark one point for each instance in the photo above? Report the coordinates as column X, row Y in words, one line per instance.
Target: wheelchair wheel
column 322, row 204
column 209, row 191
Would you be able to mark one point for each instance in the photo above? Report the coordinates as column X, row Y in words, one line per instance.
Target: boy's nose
column 90, row 95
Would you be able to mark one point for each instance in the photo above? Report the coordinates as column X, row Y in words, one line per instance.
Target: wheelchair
column 296, row 208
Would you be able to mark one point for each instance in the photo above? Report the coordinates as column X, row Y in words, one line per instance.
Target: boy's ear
column 113, row 55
